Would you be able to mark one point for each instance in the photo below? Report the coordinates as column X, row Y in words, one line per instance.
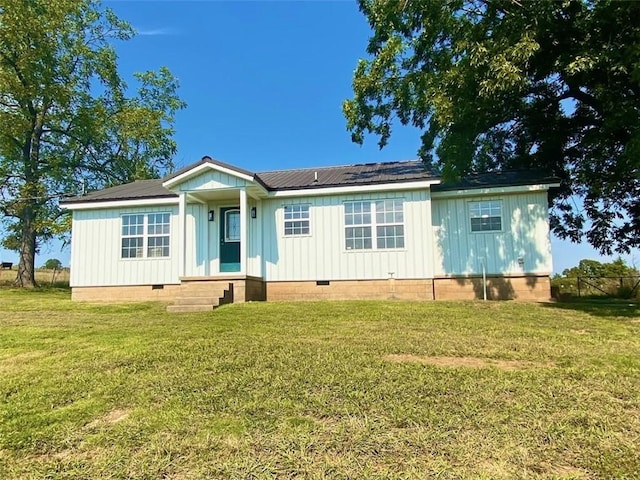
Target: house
column 213, row 232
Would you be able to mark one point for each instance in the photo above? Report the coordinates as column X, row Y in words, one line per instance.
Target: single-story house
column 213, row 232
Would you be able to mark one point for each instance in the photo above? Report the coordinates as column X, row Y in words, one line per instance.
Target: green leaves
column 504, row 85
column 66, row 118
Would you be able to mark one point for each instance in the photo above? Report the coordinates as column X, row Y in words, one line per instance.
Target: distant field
column 335, row 390
column 43, row 277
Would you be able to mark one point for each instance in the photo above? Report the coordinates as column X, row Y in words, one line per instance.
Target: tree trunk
column 26, row 268
column 26, row 277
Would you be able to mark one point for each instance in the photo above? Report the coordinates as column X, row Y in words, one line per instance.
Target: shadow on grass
column 600, row 307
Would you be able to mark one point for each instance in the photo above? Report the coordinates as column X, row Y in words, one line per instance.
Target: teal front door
column 230, row 239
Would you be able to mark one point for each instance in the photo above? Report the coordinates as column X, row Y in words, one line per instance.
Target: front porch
column 199, row 294
column 218, row 224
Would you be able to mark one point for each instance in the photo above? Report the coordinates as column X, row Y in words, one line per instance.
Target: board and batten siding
column 212, row 180
column 96, row 250
column 322, row 255
column 207, row 239
column 197, row 241
column 524, row 236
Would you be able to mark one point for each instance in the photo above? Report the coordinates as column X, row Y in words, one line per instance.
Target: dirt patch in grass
column 467, row 362
column 580, row 332
column 14, row 363
column 111, row 418
column 564, row 471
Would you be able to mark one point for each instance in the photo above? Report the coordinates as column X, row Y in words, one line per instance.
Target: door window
column 232, row 226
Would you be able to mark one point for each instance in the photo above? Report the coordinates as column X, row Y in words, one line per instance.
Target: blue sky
column 264, row 82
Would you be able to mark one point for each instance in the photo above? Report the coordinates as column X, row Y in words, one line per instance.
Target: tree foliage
column 507, row 84
column 593, row 268
column 65, row 118
column 53, row 264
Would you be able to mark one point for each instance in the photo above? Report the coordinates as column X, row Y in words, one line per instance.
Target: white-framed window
column 297, row 220
column 132, row 236
column 145, row 235
column 486, row 216
column 158, row 234
column 377, row 224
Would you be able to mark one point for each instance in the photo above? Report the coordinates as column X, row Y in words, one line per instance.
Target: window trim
column 485, row 201
column 285, row 220
column 374, row 224
column 145, row 236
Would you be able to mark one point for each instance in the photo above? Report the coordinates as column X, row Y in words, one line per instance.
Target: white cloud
column 154, row 32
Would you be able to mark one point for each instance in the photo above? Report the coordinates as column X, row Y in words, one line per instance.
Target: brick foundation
column 245, row 289
column 131, row 293
column 525, row 288
column 421, row 289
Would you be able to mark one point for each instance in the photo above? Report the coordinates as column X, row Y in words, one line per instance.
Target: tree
column 507, row 84
column 53, row 264
column 593, row 268
column 65, row 118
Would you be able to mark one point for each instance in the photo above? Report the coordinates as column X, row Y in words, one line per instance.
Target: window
column 232, row 226
column 132, row 236
column 385, row 218
column 150, row 231
column 296, row 220
column 357, row 237
column 158, row 231
column 389, row 221
column 486, row 216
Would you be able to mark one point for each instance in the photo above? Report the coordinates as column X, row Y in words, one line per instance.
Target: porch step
column 201, row 297
column 197, row 301
column 189, row 308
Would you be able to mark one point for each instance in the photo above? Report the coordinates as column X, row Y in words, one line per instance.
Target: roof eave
column 120, row 202
column 354, row 188
column 442, row 192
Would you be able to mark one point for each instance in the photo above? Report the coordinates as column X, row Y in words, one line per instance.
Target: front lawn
column 371, row 390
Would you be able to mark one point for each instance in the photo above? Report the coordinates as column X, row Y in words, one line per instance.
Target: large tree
column 509, row 84
column 66, row 122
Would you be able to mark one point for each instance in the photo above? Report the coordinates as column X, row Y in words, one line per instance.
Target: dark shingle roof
column 511, row 178
column 138, row 190
column 346, row 175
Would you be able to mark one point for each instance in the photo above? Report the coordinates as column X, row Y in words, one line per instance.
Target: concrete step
column 195, row 300
column 202, row 290
column 210, row 292
column 189, row 308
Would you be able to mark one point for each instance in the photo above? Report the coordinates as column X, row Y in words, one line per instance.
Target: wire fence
column 625, row 287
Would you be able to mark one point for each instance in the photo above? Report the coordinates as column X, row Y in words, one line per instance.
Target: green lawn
column 340, row 390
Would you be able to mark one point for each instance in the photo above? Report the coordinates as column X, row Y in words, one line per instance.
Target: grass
column 318, row 390
column 44, row 277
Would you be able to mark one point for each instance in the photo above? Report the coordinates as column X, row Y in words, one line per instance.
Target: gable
column 211, row 179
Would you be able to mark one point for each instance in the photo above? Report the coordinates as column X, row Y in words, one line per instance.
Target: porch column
column 182, row 233
column 243, row 231
column 258, row 225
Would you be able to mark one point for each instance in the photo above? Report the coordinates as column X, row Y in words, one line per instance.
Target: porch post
column 258, row 225
column 243, row 231
column 182, row 232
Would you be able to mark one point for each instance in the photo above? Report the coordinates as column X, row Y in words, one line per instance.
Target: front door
column 230, row 239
